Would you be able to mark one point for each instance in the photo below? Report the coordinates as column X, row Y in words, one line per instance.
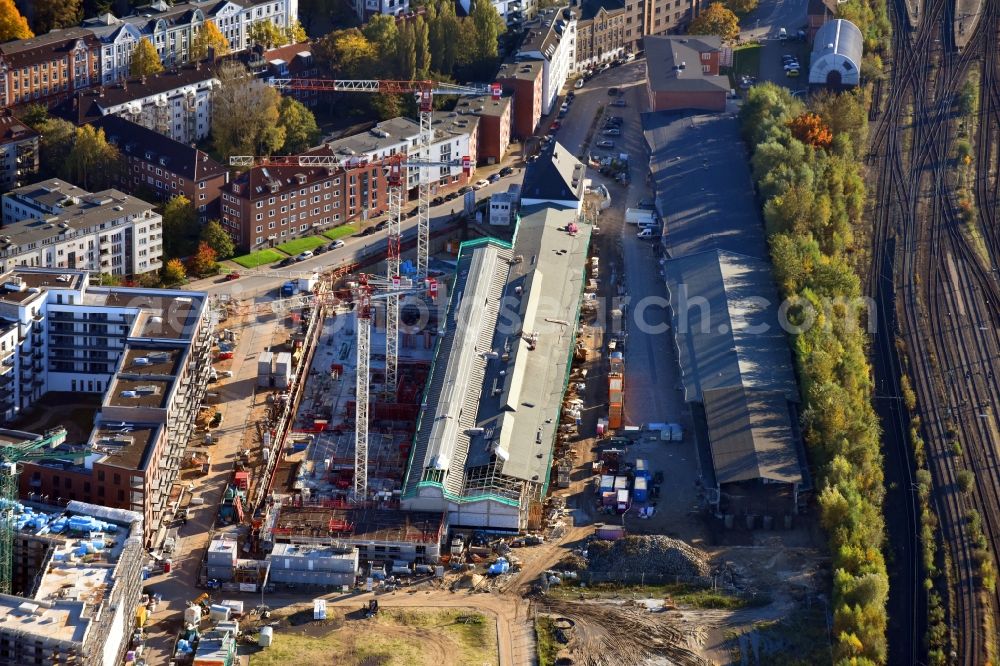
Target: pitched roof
column 839, row 37
column 182, row 159
column 674, row 64
column 750, row 435
column 554, row 176
column 23, row 52
column 545, row 38
column 12, row 129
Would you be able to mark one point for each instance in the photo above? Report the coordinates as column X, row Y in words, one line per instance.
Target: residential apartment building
column 657, row 17
column 66, row 609
column 494, row 125
column 365, row 9
column 292, row 61
column 48, row 68
column 551, row 40
column 18, row 152
column 524, row 80
column 513, row 12
column 175, row 103
column 54, row 224
column 152, row 162
column 683, row 73
column 600, row 38
column 143, row 353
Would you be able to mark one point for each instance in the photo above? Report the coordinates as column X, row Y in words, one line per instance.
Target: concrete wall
column 674, row 101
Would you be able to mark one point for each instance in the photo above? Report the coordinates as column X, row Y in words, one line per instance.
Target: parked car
column 367, row 232
column 791, row 65
column 614, row 131
column 437, row 201
column 606, row 143
column 619, row 102
column 320, row 250
column 612, row 92
column 232, row 276
column 494, row 178
column 792, row 73
column 480, row 184
column 451, row 196
column 303, row 256
column 554, row 127
column 579, row 83
column 384, row 224
column 288, row 261
column 782, row 34
column 412, row 213
column 614, row 120
column 646, row 204
column 506, row 171
column 337, row 244
column 464, row 189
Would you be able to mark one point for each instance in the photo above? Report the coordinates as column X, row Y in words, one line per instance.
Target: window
column 260, row 216
column 260, row 228
column 260, row 204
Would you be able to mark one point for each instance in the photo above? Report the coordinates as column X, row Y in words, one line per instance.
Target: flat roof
column 313, row 550
column 360, row 524
column 141, row 392
column 526, row 70
column 724, row 308
column 150, row 360
column 123, row 444
column 751, row 437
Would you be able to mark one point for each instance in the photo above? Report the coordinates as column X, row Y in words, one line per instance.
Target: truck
column 640, row 216
column 676, row 432
column 307, row 284
column 621, row 483
column 616, row 390
column 639, row 488
column 289, row 288
column 642, row 468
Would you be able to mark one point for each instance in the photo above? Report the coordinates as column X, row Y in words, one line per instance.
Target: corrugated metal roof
column 840, row 37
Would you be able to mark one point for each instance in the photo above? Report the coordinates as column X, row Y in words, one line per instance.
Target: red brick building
column 153, row 162
column 524, row 80
column 270, row 205
column 682, row 72
column 493, row 135
column 48, row 68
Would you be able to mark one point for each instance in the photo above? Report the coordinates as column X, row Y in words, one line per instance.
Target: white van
column 782, row 34
column 645, row 232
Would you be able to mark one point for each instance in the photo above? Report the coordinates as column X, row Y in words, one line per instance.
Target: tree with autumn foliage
column 717, row 20
column 204, row 260
column 12, row 24
column 145, row 59
column 209, row 37
column 809, row 129
column 173, row 273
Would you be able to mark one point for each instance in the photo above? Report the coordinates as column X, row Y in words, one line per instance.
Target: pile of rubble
column 658, row 555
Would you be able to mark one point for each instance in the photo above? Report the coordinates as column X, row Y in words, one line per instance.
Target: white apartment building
column 552, row 40
column 173, row 28
column 365, row 9
column 54, row 224
column 512, row 11
column 145, row 352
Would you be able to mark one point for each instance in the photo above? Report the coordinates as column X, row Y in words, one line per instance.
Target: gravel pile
column 658, row 555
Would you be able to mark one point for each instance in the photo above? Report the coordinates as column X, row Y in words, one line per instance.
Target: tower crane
column 396, row 168
column 424, row 90
column 11, row 455
column 369, row 288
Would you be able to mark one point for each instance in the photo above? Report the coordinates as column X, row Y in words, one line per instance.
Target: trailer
column 622, row 501
column 640, row 487
column 640, row 216
column 642, row 468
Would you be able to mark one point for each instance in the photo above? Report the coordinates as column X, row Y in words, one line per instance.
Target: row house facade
column 48, row 68
column 167, row 168
column 551, row 40
column 18, row 152
column 51, row 67
column 600, row 38
column 657, row 17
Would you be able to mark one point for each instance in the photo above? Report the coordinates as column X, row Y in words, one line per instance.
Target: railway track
column 939, row 277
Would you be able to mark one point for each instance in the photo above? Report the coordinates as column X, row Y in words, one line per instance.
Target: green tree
column 299, row 124
column 92, row 162
column 145, row 60
column 347, row 53
column 34, row 115
column 406, row 53
column 173, row 273
column 55, row 145
column 180, row 227
column 382, row 32
column 216, row 237
column 209, row 37
column 51, row 14
column 245, row 114
column 742, row 7
column 267, row 34
column 12, row 24
column 716, row 20
column 386, row 105
column 489, row 25
column 422, row 47
column 109, row 280
column 444, row 36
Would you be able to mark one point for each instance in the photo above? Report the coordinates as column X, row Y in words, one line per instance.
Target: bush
column 966, row 480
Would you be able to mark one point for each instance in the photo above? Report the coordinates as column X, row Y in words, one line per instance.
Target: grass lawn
column 394, row 637
column 339, row 232
column 259, row 258
column 548, row 648
column 299, row 245
column 746, row 61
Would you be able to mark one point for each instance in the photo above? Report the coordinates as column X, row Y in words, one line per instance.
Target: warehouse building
column 737, row 375
column 313, row 564
column 483, row 447
column 836, row 58
column 77, row 582
column 683, row 73
column 139, row 357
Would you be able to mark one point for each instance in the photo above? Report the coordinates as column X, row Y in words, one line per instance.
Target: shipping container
column 615, row 415
column 642, row 468
column 621, row 483
column 640, row 486
column 622, row 501
column 607, row 483
column 676, row 432
column 264, row 368
column 608, row 498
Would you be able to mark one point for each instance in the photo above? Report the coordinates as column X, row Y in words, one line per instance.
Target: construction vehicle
column 12, row 454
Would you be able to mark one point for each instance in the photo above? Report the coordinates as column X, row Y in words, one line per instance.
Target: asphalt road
column 260, row 281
